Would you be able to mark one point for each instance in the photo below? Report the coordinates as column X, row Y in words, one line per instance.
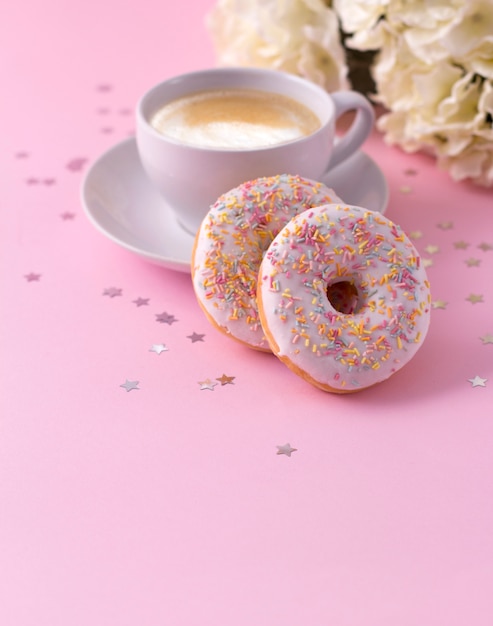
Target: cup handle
column 359, row 130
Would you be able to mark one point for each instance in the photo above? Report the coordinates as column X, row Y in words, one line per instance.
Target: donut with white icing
column 343, row 297
column 231, row 242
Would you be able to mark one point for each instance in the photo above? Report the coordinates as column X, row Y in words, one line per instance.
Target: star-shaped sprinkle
column 432, row 249
column 112, row 292
column 474, row 298
column 477, row 381
column 67, row 216
column 461, row 245
column 226, row 380
column 286, row 449
column 49, row 181
column 141, row 301
column 427, row 262
column 415, row 234
column 485, row 247
column 104, row 87
column 488, row 338
column 21, row 155
column 445, row 225
column 207, row 384
column 32, row 181
column 158, row 348
column 439, row 304
column 32, row 277
column 472, row 262
column 166, row 318
column 194, row 337
column 130, row 385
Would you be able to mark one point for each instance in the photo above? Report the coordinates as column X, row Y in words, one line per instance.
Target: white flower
column 434, row 74
column 298, row 36
column 360, row 15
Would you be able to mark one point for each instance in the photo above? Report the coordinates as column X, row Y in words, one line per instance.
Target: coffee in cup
column 272, row 123
column 234, row 118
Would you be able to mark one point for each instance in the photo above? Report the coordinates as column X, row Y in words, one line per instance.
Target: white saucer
column 123, row 205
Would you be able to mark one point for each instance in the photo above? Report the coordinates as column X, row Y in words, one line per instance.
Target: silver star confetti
column 166, row 318
column 207, row 384
column 445, row 225
column 141, row 301
column 112, row 292
column 158, row 348
column 32, row 277
column 461, row 245
column 477, row 381
column 67, row 216
column 286, row 449
column 130, row 385
column 196, row 337
column 485, row 247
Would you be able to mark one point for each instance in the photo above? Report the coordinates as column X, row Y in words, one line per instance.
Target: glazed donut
column 343, row 298
column 231, row 242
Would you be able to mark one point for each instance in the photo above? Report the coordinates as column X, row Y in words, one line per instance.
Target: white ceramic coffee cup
column 191, row 178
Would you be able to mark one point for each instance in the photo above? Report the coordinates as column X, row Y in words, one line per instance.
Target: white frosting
column 232, row 240
column 334, row 244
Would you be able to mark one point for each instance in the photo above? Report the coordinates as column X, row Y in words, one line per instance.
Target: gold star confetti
column 405, row 189
column 427, row 262
column 415, row 234
column 474, row 298
column 445, row 225
column 472, row 262
column 432, row 249
column 485, row 247
column 461, row 245
column 226, row 380
column 477, row 381
column 207, row 384
column 286, row 449
column 439, row 304
column 488, row 338
column 112, row 292
column 158, row 348
column 130, row 385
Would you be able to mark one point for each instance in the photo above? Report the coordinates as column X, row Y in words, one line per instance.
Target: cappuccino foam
column 235, row 119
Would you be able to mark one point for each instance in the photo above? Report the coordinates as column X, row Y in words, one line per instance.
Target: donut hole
column 343, row 296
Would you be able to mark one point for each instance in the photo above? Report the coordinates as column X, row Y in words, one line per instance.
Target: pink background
column 169, row 505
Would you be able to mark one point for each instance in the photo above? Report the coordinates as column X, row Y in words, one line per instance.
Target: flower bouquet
column 429, row 63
